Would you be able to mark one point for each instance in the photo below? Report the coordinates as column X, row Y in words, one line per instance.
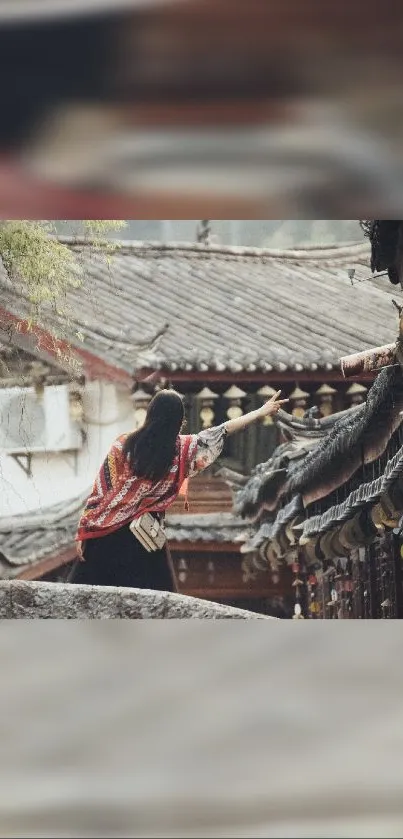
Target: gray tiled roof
column 204, row 527
column 366, row 438
column 360, row 435
column 225, row 308
column 302, row 437
column 27, row 539
column 365, row 495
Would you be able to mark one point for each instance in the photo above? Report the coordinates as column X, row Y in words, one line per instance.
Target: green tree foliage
column 32, row 255
column 45, row 268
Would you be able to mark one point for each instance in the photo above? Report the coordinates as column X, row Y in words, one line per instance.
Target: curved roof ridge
column 308, row 252
column 44, row 516
column 359, row 437
column 311, row 425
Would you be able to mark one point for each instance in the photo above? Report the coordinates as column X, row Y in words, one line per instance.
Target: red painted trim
column 94, row 367
column 192, row 376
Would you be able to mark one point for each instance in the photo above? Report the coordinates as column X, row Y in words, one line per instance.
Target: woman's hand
column 272, row 405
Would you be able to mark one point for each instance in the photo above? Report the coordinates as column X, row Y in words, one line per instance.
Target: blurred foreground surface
column 196, row 729
column 179, row 108
column 21, row 600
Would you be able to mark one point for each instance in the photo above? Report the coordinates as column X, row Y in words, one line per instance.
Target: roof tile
column 226, row 308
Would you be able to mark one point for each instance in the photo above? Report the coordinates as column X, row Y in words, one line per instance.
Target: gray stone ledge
column 31, row 600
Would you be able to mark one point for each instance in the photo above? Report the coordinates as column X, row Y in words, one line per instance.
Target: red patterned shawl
column 118, row 496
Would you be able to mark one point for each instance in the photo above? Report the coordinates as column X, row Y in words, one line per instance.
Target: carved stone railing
column 22, row 600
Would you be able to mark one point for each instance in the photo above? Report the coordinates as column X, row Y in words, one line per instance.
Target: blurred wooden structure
column 299, row 77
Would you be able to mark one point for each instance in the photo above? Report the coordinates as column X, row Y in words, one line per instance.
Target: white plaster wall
column 108, row 412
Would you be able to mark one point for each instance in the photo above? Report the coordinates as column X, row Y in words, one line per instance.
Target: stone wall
column 20, row 599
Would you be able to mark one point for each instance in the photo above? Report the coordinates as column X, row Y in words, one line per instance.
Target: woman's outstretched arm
column 270, row 407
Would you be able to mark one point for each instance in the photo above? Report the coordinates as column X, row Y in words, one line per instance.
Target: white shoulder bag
column 149, row 531
column 147, row 528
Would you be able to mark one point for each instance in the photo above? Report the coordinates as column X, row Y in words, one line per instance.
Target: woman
column 144, row 472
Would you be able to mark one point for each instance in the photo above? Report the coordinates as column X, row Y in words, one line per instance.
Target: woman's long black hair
column 151, row 449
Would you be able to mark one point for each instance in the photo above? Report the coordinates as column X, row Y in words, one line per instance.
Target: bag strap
column 182, row 467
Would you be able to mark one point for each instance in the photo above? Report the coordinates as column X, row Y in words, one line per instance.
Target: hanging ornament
column 348, row 588
column 206, row 398
column 298, row 399
column 297, row 584
column 333, row 598
column 326, row 395
column 297, row 612
column 312, row 586
column 266, row 392
column 234, row 394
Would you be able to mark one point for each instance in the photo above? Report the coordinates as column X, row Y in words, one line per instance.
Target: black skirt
column 119, row 559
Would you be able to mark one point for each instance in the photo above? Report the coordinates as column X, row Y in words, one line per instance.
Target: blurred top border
column 14, row 11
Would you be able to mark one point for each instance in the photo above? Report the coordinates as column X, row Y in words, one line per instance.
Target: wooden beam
column 39, row 341
column 205, row 547
column 213, row 376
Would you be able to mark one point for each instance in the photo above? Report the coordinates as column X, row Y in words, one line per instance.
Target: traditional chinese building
column 226, row 326
column 329, row 501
